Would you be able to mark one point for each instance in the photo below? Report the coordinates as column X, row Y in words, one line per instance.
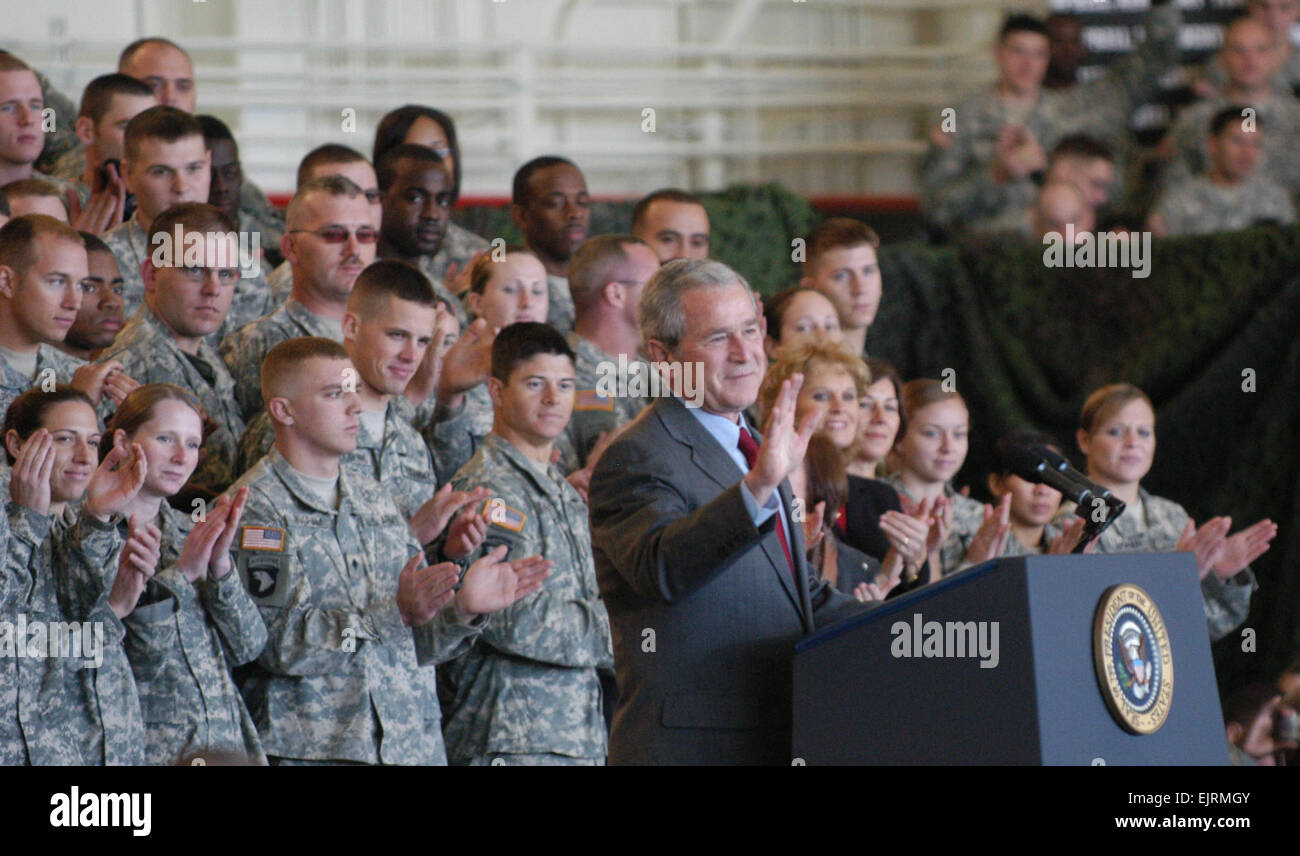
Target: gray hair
column 660, row 313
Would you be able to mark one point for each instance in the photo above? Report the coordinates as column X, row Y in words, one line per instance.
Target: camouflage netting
column 1029, row 343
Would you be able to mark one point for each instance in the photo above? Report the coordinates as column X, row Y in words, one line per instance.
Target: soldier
column 426, row 126
column 330, row 159
column 672, row 223
column 841, row 263
column 1233, row 193
column 606, row 278
column 167, row 70
column 388, row 329
column 983, row 168
column 1117, row 434
column 1033, row 506
column 501, row 293
column 528, row 692
column 70, row 698
column 351, row 612
column 226, row 186
column 100, row 317
column 22, row 140
column 329, row 242
column 1279, row 16
column 930, row 450
column 108, row 103
column 1248, row 57
column 164, row 164
column 550, row 206
column 195, row 619
column 416, row 187
column 42, row 267
column 184, row 302
column 34, row 196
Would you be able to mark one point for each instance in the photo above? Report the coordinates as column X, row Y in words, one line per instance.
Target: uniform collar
column 494, row 444
column 304, row 494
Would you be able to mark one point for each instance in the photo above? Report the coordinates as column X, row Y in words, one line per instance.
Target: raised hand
column 104, row 208
column 424, row 382
column 457, row 278
column 431, row 518
column 1069, row 538
column 92, row 377
column 422, row 591
column 492, row 584
column 468, row 532
column 29, row 481
column 136, row 565
column 467, row 364
column 1243, row 548
column 991, row 538
column 196, row 555
column 907, row 535
column 219, row 565
column 1205, row 543
column 783, row 446
column 118, row 385
column 117, row 480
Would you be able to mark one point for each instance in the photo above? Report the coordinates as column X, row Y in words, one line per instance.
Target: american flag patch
column 261, row 538
column 589, row 399
column 500, row 514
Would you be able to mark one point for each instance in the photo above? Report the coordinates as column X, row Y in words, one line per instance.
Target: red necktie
column 749, row 449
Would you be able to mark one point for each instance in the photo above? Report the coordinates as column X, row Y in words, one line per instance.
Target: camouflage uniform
column 1155, row 526
column 244, row 350
column 130, row 245
column 1014, row 548
column 149, row 354
column 182, row 646
column 64, row 137
column 256, row 210
column 58, row 710
column 559, row 306
column 458, row 247
column 958, row 187
column 1278, row 120
column 593, row 412
column 453, row 437
column 530, row 685
column 967, row 518
column 280, row 283
column 1284, row 81
column 48, row 357
column 399, row 460
column 1197, row 206
column 71, row 165
column 340, row 677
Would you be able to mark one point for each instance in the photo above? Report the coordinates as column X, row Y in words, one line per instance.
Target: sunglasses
column 339, row 234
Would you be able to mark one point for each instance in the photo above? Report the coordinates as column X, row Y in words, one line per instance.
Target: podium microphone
column 1029, row 463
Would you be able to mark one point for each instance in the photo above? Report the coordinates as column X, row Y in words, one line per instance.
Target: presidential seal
column 1135, row 666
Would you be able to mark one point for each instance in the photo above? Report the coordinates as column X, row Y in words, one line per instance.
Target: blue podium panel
column 995, row 665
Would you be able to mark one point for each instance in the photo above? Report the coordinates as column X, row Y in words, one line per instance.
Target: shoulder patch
column 265, row 538
column 589, row 399
column 500, row 514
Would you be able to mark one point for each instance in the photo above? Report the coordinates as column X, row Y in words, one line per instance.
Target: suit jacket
column 703, row 607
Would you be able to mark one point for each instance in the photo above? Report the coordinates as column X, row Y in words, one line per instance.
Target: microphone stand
column 1092, row 528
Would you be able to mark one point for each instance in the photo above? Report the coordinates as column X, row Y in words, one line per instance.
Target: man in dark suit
column 702, row 573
